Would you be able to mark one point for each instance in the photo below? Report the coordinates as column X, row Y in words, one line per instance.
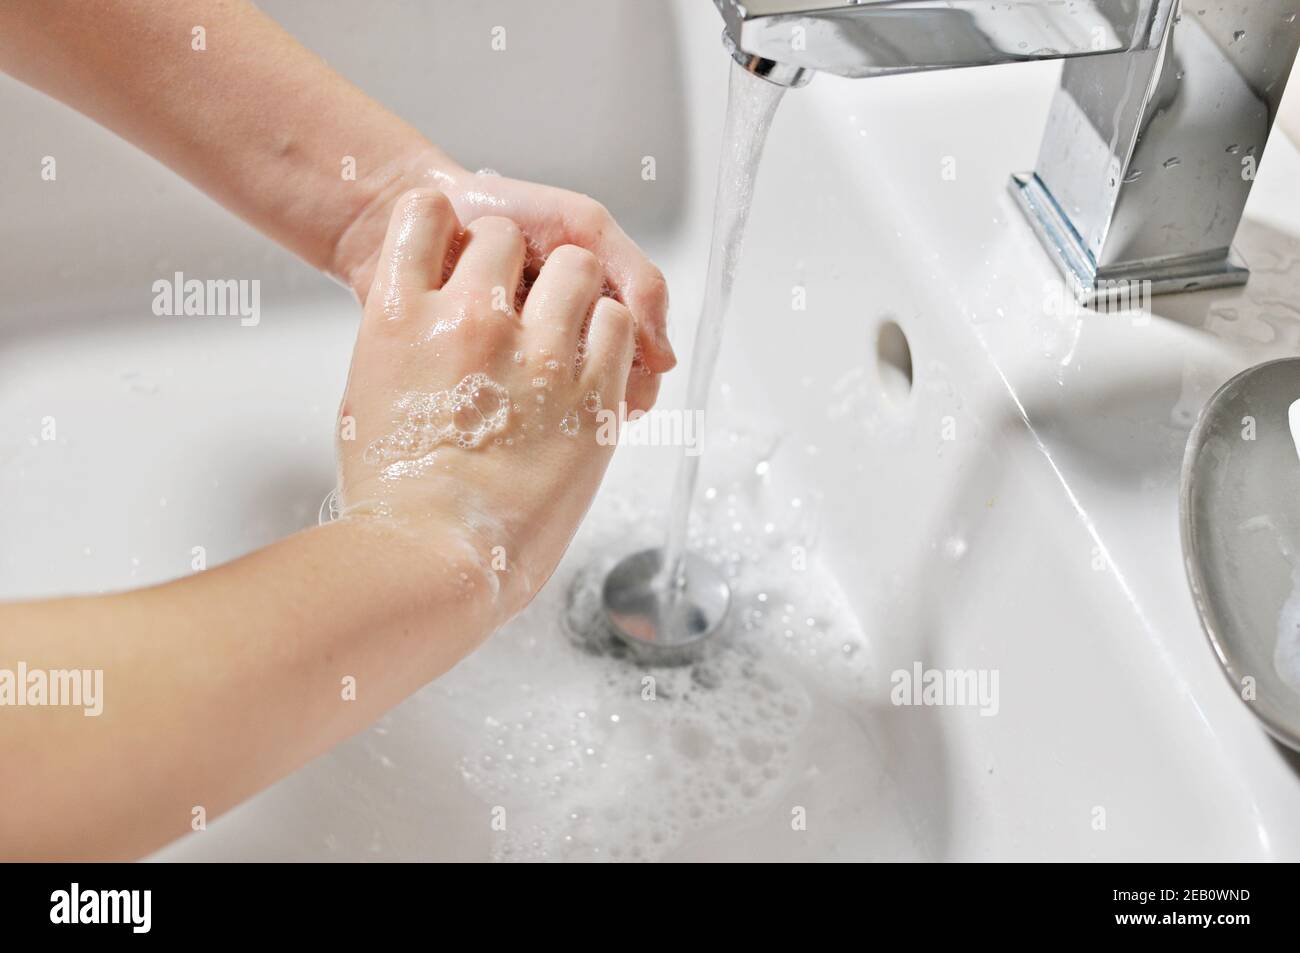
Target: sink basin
column 921, row 458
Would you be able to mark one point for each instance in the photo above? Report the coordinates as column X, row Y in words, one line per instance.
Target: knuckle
column 617, row 310
column 617, row 316
column 498, row 227
column 577, row 259
column 426, row 201
column 590, row 216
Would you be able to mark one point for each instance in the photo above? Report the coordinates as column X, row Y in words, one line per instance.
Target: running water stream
column 751, row 105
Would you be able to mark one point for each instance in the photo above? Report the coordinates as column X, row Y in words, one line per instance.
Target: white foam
column 464, row 415
column 594, row 756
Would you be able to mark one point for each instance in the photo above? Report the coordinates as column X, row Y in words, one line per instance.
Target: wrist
column 430, row 563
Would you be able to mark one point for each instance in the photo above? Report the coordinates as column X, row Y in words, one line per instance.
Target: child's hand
column 551, row 218
column 471, row 410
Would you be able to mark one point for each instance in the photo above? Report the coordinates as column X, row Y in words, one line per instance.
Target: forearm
column 219, row 684
column 256, row 120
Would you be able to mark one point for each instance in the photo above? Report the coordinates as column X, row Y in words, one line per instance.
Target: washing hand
column 468, row 453
column 222, row 681
column 472, row 409
column 551, row 218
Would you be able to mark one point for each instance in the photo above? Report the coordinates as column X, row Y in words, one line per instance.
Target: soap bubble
column 466, row 415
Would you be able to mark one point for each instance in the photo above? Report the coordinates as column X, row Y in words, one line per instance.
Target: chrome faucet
column 1154, row 135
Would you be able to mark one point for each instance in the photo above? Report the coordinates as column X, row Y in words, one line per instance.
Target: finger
column 420, row 233
column 491, row 256
column 642, row 287
column 561, row 299
column 611, row 341
column 642, row 389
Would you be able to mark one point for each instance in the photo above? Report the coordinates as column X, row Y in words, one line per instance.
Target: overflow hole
column 893, row 362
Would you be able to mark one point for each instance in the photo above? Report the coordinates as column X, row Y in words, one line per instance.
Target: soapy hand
column 551, row 218
column 473, row 406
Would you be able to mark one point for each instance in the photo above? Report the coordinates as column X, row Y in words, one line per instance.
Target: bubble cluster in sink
column 587, row 754
column 650, row 756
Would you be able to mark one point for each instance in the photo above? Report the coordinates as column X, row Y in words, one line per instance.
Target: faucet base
column 1101, row 288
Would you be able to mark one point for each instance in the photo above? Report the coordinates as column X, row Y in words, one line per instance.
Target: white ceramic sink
column 1012, row 510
